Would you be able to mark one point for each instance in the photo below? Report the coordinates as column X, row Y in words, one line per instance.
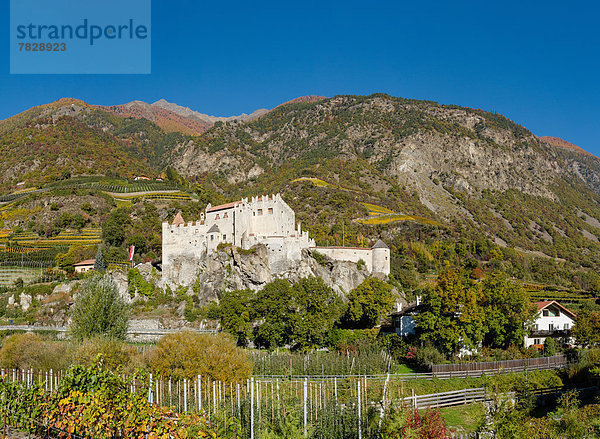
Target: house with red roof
column 552, row 320
column 84, row 266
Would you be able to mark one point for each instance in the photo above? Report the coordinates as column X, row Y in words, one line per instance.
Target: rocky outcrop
column 233, row 269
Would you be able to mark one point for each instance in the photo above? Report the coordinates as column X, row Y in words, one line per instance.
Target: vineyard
column 323, row 409
column 26, row 256
column 168, row 195
column 98, row 183
column 28, row 241
column 385, row 218
column 370, row 362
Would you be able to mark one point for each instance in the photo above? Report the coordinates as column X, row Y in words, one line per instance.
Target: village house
column 552, row 320
column 84, row 266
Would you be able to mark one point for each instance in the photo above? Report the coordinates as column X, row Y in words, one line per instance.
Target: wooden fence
column 555, row 362
column 446, row 399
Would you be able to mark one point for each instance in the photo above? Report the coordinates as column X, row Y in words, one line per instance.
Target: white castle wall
column 377, row 260
column 264, row 220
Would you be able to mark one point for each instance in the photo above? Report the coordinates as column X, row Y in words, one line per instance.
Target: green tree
column 550, row 347
column 316, row 308
column 273, row 306
column 587, row 328
column 508, row 311
column 368, row 304
column 452, row 317
column 100, row 310
column 115, row 227
column 233, row 313
column 99, row 264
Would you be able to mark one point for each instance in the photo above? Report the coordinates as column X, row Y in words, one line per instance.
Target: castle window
column 225, row 215
column 270, row 211
column 260, row 211
column 212, row 237
column 217, row 216
column 224, row 237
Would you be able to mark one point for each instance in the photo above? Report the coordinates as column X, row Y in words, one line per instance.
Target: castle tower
column 381, row 258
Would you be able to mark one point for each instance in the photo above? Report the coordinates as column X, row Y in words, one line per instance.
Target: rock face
column 232, row 269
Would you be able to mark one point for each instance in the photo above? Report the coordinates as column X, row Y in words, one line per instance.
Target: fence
column 333, row 408
column 446, row 399
column 472, row 369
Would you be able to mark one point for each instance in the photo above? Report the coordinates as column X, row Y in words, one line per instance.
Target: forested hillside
column 439, row 183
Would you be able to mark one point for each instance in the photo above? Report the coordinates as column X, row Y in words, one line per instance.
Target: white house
column 403, row 319
column 552, row 320
column 84, row 266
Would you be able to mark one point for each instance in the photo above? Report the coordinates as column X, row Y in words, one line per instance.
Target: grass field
column 464, row 418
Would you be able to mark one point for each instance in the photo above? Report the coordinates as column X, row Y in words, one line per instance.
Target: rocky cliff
column 231, row 268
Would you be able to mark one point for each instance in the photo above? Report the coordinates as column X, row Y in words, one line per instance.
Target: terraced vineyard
column 99, row 183
column 395, row 217
column 175, row 195
column 321, row 183
column 85, row 237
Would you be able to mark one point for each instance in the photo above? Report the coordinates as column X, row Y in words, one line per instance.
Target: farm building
column 84, row 266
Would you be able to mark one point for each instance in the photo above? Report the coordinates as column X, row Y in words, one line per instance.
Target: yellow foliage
column 374, row 209
column 30, row 351
column 115, row 354
column 392, row 218
column 189, row 354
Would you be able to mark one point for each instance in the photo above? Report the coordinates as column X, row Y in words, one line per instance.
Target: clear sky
column 535, row 62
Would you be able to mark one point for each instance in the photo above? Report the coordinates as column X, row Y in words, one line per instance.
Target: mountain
column 167, row 120
column 188, row 113
column 70, row 137
column 353, row 167
column 560, row 143
column 461, row 168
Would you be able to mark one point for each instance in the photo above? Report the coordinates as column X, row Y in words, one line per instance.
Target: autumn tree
column 188, row 354
column 587, row 328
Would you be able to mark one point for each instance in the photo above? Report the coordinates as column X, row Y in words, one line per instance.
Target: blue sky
column 535, row 62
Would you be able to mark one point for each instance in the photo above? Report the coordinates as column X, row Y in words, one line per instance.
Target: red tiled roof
column 223, row 206
column 86, row 262
column 178, row 219
column 546, row 303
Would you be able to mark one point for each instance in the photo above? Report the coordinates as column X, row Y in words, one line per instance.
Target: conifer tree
column 99, row 263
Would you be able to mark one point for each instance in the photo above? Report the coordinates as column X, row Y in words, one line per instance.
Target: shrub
column 550, row 347
column 188, row 354
column 427, row 356
column 100, row 310
column 30, row 351
column 412, row 424
column 113, row 354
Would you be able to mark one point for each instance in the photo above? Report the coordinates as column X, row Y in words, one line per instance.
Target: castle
column 264, row 220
